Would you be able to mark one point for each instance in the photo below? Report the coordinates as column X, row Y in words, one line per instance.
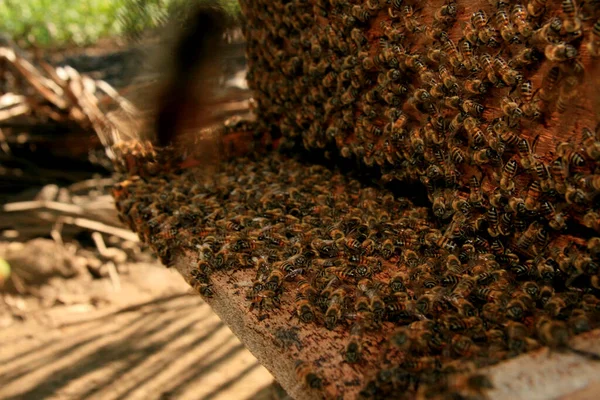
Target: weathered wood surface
column 543, row 374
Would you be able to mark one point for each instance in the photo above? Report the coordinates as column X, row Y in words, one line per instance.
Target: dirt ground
column 139, row 334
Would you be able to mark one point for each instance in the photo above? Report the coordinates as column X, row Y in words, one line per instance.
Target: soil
column 139, row 335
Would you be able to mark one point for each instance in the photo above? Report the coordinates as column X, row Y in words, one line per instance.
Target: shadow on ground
column 169, row 347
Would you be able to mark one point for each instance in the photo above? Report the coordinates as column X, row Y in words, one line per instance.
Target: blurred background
column 86, row 311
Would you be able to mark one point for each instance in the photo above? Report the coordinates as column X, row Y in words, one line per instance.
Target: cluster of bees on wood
column 390, row 85
column 357, row 259
column 482, row 275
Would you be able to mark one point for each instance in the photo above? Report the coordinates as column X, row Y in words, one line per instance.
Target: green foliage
column 81, row 22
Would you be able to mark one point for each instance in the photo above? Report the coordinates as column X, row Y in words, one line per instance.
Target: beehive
column 491, row 107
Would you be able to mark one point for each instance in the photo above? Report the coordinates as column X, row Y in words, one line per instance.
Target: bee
column 530, row 107
column 593, row 245
column 361, row 13
column 304, row 309
column 519, row 17
column 479, row 21
column 463, row 289
column 535, row 8
column 575, row 196
column 334, row 310
column 573, row 158
column 484, row 156
column 305, row 373
column 590, row 144
column 476, row 136
column 560, row 52
column 527, row 159
column 468, row 53
column 457, row 122
column 353, row 351
column 265, row 299
column 566, row 93
column 508, row 75
column 474, row 86
column 511, row 110
column 593, row 44
column 509, row 171
column 591, row 219
column 507, row 29
column 488, row 66
column 572, row 23
column 556, row 221
column 410, row 20
column 446, row 14
column 517, row 335
column 448, row 79
column 454, row 56
column 547, row 33
column 463, row 346
column 387, row 249
column 525, row 58
column 533, row 195
column 471, row 107
column 547, row 89
column 475, row 194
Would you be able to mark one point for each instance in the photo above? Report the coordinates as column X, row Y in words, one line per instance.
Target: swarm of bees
column 356, row 258
column 446, row 96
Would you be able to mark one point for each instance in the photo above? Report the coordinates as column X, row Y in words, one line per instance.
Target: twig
column 100, row 227
column 91, row 183
column 99, row 242
column 46, row 87
column 41, row 204
column 113, row 274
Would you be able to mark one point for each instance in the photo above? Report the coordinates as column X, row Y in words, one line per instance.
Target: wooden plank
column 545, row 374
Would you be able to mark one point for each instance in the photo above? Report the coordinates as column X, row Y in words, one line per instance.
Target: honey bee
column 334, row 310
column 306, row 375
column 556, row 221
column 446, row 14
column 451, row 51
column 448, row 79
column 474, row 86
column 591, row 183
column 593, row 44
column 265, row 300
column 567, row 92
column 410, row 20
column 471, row 107
column 517, row 337
column 508, row 75
column 591, row 144
column 572, row 23
column 547, row 33
column 506, row 28
column 547, row 89
column 484, row 156
column 488, row 66
column 532, row 196
column 353, row 351
column 511, row 110
column 479, row 21
column 519, row 17
column 464, row 346
column 575, row 196
column 535, row 8
column 509, row 171
column 560, row 52
column 304, row 309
